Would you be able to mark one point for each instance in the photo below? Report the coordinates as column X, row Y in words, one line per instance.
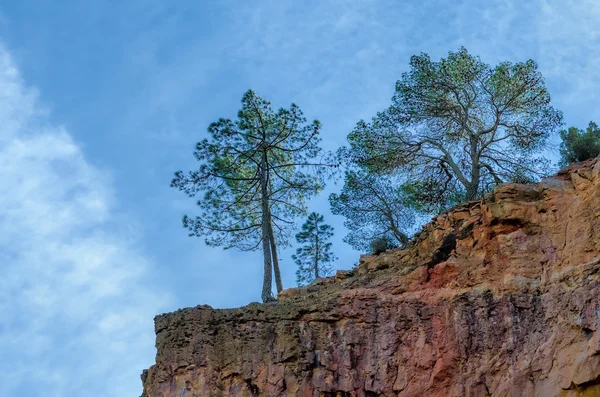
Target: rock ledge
column 498, row 297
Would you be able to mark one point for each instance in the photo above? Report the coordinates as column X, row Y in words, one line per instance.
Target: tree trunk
column 267, row 293
column 317, row 254
column 471, row 192
column 400, row 237
column 473, row 186
column 274, row 255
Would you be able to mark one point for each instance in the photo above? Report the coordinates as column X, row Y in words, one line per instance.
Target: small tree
column 578, row 145
column 314, row 257
column 460, row 125
column 375, row 207
column 255, row 176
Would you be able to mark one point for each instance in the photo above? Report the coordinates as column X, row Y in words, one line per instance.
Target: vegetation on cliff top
column 459, row 126
column 455, row 128
column 579, row 145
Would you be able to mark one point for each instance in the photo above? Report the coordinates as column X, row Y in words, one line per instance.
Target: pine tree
column 255, row 176
column 314, row 257
column 375, row 207
column 460, row 126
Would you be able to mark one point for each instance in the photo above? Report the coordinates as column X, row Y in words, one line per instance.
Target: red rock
column 498, row 297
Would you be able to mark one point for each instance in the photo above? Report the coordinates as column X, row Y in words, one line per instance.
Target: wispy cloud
column 76, row 312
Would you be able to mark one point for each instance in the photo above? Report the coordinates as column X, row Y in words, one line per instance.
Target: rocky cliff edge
column 498, row 297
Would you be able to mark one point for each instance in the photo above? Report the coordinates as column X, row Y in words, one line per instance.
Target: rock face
column 498, row 297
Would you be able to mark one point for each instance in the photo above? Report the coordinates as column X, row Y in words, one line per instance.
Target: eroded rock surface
column 498, row 297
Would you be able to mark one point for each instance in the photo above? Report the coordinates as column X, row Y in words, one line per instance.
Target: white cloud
column 75, row 303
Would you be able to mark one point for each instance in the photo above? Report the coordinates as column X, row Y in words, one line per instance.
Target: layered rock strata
column 498, row 297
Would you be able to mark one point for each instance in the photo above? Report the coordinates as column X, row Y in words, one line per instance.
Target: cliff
column 498, row 297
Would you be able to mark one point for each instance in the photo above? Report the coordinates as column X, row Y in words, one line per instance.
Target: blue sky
column 100, row 102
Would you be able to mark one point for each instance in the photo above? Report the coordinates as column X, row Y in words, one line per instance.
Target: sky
column 102, row 101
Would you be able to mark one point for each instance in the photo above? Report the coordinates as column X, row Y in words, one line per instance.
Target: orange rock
column 499, row 297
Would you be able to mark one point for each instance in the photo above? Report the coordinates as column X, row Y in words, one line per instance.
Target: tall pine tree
column 255, row 176
column 314, row 257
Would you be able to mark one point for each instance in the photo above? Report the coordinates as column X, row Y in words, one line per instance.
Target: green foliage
column 521, row 176
column 254, row 178
column 459, row 125
column 229, row 173
column 382, row 244
column 578, row 145
column 314, row 257
column 374, row 206
column 430, row 196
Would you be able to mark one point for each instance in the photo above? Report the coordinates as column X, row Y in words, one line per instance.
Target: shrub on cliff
column 579, row 145
column 382, row 244
column 460, row 126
